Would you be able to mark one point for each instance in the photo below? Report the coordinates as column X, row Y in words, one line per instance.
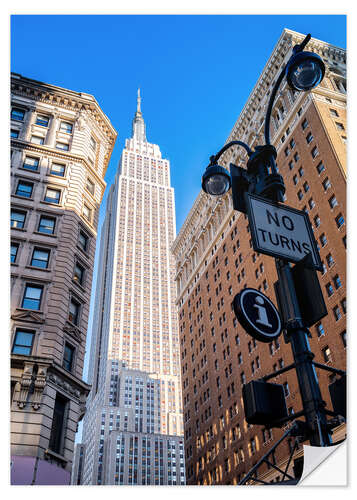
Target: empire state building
column 132, row 432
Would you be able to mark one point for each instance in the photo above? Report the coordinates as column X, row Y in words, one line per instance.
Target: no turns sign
column 281, row 231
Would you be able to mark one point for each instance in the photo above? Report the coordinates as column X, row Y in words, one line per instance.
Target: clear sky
column 195, row 73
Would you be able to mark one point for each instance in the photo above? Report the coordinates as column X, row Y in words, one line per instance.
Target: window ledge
column 47, row 270
column 57, row 456
column 22, row 197
column 51, row 203
column 45, row 234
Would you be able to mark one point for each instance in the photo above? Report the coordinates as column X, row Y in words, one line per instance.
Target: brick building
column 61, row 142
column 215, row 260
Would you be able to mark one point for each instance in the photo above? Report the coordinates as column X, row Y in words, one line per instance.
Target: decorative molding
column 66, row 386
column 39, row 385
column 73, row 331
column 30, row 316
column 25, row 384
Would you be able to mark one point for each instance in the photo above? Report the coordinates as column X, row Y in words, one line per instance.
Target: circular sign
column 257, row 314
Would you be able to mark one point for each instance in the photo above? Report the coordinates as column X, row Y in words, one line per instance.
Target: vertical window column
column 51, row 134
column 27, row 125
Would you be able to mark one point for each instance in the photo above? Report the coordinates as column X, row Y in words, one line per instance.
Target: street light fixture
column 216, row 180
column 303, row 71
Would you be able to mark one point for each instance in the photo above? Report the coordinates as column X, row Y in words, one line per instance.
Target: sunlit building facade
column 135, row 316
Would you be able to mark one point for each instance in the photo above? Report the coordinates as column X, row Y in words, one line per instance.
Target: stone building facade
column 215, row 260
column 61, row 143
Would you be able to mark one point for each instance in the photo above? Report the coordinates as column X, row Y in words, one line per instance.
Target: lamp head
column 304, row 71
column 216, row 181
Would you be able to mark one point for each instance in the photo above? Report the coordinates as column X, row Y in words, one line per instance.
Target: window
column 40, row 258
column 309, row 137
column 23, row 342
column 333, row 112
column 337, row 313
column 329, row 289
column 73, row 314
column 292, row 143
column 320, row 167
column 337, row 282
column 332, row 201
column 317, row 221
column 17, row 114
column 300, row 195
column 291, row 165
column 68, row 357
column 323, row 240
column 339, row 220
column 311, row 203
column 329, row 260
column 14, row 134
column 24, row 189
column 326, row 354
column 286, row 151
column 93, row 144
column 304, row 124
column 301, row 171
column 62, row 145
column 295, row 179
column 66, row 127
column 314, row 152
column 32, row 297
column 90, row 186
column 58, row 424
column 326, row 184
column 340, row 126
column 242, row 378
column 13, row 253
column 87, row 212
column 344, row 306
column 78, row 273
column 31, row 163
column 296, row 157
column 320, row 330
column 37, row 139
column 58, row 169
column 286, row 389
column 47, row 224
column 18, row 219
column 83, row 240
column 53, row 196
column 42, row 120
column 343, row 338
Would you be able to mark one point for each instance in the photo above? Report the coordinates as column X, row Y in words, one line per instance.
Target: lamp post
column 303, row 71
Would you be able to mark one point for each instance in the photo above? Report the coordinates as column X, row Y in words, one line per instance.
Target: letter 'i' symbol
column 262, row 314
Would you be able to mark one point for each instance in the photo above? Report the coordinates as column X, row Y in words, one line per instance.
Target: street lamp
column 303, row 71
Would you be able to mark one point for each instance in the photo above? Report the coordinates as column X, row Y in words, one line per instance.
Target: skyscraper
column 215, row 260
column 61, row 142
column 135, row 318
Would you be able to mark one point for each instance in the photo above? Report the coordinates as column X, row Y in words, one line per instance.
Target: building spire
column 138, row 107
column 138, row 122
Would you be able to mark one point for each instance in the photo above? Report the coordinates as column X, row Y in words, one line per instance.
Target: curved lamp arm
column 214, row 159
column 297, row 48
